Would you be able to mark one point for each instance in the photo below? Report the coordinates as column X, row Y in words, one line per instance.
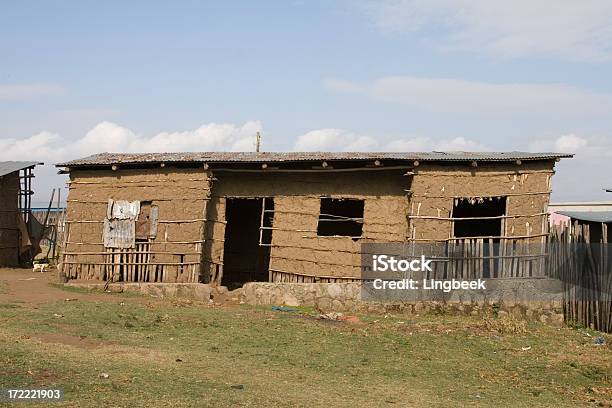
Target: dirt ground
column 30, row 288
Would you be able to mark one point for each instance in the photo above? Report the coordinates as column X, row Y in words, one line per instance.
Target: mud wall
column 397, row 207
column 181, row 195
column 436, row 187
column 9, row 233
column 297, row 253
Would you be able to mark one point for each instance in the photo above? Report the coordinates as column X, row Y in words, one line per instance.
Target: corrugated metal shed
column 9, row 167
column 274, row 157
column 592, row 216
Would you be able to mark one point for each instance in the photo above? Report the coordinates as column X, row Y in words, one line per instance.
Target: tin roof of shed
column 592, row 216
column 278, row 157
column 8, row 167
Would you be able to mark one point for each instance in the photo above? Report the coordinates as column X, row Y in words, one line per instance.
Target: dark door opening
column 481, row 218
column 246, row 256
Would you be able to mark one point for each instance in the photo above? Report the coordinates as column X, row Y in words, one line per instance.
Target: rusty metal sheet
column 119, row 234
column 143, row 222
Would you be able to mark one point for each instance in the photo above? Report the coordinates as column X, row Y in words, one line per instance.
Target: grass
column 83, row 290
column 184, row 355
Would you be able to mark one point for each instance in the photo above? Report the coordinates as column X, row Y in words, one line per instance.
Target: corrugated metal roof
column 8, row 167
column 277, row 157
column 593, row 216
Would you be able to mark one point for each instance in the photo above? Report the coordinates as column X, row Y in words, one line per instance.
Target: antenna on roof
column 257, row 142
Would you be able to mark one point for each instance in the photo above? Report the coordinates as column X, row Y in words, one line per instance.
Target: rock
column 290, row 300
column 334, row 290
column 324, row 304
column 337, row 305
column 103, row 375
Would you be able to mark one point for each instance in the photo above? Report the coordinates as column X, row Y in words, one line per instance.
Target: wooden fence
column 473, row 258
column 136, row 264
column 584, row 267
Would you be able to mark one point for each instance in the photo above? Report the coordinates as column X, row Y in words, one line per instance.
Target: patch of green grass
column 84, row 290
column 159, row 354
column 9, row 306
column 73, row 289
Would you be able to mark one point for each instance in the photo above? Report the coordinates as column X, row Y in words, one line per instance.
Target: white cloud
column 457, row 95
column 19, row 92
column 345, row 140
column 575, row 30
column 569, row 143
column 427, row 144
column 582, row 146
column 110, row 137
column 460, row 144
column 583, row 177
column 415, row 144
column 333, row 140
column 106, row 136
column 34, row 147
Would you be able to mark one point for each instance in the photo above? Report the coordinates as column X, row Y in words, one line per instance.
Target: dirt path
column 33, row 288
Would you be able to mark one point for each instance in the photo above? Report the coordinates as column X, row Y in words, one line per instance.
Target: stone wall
column 347, row 297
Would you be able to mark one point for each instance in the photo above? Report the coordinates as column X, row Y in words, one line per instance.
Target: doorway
column 482, row 219
column 248, row 236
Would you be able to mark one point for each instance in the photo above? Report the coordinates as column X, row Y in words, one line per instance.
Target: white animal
column 42, row 267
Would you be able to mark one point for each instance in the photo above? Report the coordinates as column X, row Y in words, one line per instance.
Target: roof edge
column 11, row 166
column 107, row 158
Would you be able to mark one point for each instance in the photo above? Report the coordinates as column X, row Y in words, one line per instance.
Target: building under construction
column 17, row 244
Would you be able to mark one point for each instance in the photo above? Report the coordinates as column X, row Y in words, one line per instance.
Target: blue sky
column 81, row 77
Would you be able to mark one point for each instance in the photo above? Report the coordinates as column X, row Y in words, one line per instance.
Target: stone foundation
column 347, row 297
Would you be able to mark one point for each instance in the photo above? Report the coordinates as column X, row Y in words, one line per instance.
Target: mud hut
column 15, row 200
column 230, row 218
